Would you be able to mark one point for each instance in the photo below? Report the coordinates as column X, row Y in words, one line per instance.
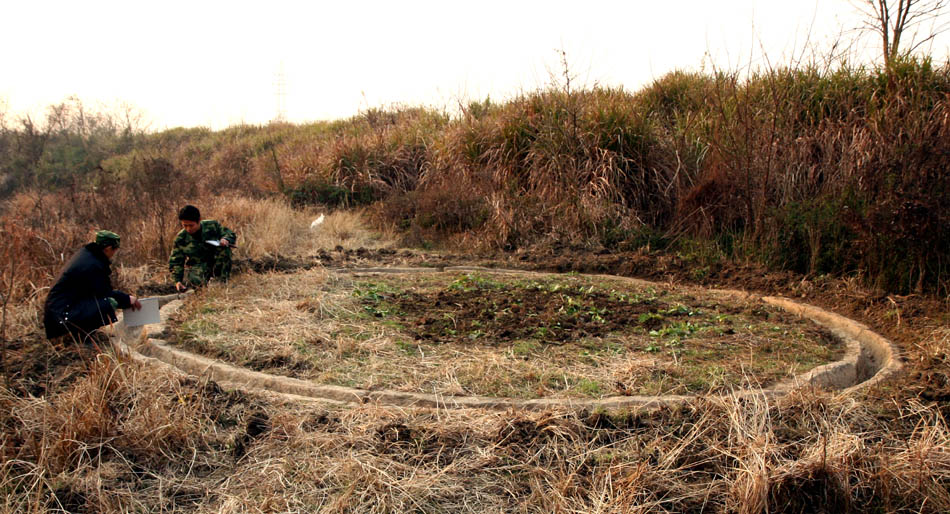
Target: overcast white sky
column 215, row 63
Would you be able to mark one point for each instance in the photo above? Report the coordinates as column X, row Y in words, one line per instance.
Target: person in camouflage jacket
column 202, row 250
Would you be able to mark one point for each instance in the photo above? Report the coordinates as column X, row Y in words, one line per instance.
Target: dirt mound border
column 869, row 359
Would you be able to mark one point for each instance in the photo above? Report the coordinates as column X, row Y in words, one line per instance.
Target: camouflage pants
column 199, row 274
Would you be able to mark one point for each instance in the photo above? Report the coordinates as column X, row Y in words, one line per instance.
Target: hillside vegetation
column 818, row 171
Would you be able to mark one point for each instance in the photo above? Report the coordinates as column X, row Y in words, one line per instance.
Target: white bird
column 316, row 223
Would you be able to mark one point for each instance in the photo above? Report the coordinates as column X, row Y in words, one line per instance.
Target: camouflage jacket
column 190, row 250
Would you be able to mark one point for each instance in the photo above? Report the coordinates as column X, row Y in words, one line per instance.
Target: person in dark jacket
column 82, row 299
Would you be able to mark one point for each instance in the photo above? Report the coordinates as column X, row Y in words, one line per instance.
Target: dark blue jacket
column 77, row 301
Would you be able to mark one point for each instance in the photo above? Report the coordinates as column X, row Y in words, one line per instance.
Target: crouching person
column 82, row 299
column 202, row 250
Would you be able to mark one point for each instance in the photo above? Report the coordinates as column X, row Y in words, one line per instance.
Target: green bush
column 315, row 192
column 815, row 236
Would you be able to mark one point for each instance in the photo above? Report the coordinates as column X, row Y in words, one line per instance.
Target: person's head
column 190, row 219
column 108, row 241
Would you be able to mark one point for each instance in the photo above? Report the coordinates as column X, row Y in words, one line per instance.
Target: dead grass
column 267, row 329
column 117, row 438
column 270, row 228
column 349, row 230
column 121, row 438
column 352, row 331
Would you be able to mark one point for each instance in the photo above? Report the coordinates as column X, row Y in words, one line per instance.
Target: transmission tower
column 280, row 93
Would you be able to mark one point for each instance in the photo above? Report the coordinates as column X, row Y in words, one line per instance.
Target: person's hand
column 225, row 242
column 136, row 304
column 180, row 287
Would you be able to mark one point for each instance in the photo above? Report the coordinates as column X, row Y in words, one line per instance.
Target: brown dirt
column 499, row 314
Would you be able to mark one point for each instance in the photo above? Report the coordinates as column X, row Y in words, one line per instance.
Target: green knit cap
column 107, row 238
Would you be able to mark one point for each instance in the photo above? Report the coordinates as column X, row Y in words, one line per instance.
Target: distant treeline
column 822, row 171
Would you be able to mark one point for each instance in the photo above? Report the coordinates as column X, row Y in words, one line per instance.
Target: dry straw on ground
column 125, row 438
column 269, row 228
column 104, row 434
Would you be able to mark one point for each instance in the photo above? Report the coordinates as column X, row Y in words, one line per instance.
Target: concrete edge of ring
column 869, row 359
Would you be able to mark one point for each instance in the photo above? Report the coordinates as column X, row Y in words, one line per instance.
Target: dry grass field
column 90, row 431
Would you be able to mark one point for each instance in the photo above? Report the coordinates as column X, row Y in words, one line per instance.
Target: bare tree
column 899, row 23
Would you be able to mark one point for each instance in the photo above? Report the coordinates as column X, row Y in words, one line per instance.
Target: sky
column 217, row 64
